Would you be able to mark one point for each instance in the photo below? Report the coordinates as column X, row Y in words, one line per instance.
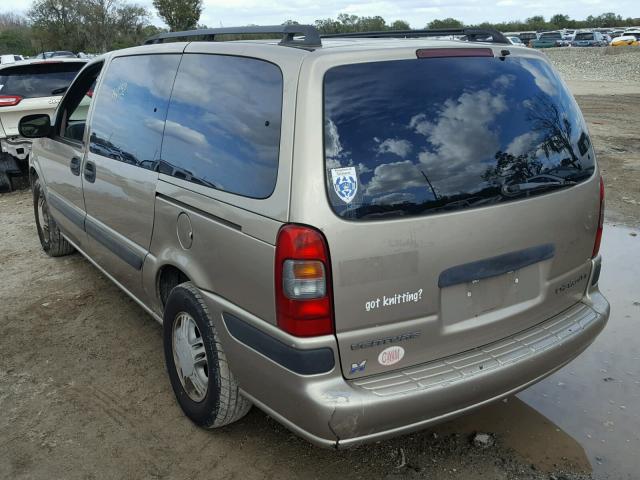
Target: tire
column 219, row 402
column 5, row 183
column 20, row 182
column 52, row 241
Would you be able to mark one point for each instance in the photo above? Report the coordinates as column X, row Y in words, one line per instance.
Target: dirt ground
column 616, row 138
column 84, row 393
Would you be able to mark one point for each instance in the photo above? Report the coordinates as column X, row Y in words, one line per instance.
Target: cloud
column 460, row 138
column 333, row 147
column 394, row 177
column 522, row 144
column 185, row 134
column 362, row 168
column 542, row 75
column 399, row 147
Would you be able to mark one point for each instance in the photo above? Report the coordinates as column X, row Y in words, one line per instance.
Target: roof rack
column 311, row 37
column 471, row 34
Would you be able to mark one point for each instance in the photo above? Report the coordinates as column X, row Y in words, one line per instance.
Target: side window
column 131, row 107
column 223, row 124
column 73, row 113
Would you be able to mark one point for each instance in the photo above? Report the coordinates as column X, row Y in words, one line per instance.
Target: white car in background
column 28, row 87
column 9, row 58
column 515, row 40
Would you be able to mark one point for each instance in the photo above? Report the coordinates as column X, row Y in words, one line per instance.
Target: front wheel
column 51, row 239
column 204, row 386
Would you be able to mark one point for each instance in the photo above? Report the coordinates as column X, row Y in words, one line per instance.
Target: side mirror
column 35, row 126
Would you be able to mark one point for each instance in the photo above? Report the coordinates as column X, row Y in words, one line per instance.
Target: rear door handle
column 90, row 172
column 75, row 166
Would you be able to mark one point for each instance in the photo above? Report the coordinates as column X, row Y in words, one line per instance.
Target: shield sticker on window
column 345, row 183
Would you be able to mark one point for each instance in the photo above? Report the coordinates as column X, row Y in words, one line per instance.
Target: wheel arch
column 168, row 277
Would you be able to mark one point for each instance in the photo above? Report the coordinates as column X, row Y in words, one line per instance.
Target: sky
column 417, row 12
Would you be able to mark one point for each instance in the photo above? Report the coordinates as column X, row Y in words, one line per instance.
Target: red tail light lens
column 9, row 100
column 596, row 245
column 303, row 282
column 90, row 93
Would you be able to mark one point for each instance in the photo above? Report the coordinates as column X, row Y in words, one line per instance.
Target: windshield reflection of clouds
column 448, row 132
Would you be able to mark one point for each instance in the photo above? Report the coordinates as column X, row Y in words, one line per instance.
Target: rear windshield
column 412, row 137
column 584, row 36
column 550, row 36
column 38, row 80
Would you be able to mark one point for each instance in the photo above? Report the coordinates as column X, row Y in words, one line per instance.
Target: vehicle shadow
column 520, row 440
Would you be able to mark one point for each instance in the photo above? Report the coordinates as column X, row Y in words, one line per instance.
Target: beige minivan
column 361, row 236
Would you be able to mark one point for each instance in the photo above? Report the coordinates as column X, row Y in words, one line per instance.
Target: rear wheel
column 51, row 239
column 204, row 386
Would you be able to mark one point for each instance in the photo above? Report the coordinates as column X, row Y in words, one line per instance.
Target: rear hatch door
column 465, row 204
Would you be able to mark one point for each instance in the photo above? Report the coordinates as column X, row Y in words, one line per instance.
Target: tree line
column 353, row 23
column 96, row 26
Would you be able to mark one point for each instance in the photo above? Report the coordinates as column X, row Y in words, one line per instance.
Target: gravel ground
column 597, row 64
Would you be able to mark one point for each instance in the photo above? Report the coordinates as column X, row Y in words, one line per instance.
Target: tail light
column 9, row 100
column 90, row 93
column 596, row 245
column 303, row 282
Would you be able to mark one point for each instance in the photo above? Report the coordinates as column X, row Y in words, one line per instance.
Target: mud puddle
column 596, row 398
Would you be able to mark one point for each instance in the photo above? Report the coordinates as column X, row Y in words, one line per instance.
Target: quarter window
column 223, row 125
column 131, row 107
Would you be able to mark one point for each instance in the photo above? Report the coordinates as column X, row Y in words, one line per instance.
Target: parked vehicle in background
column 515, row 40
column 589, row 39
column 526, row 37
column 424, row 277
column 10, row 58
column 29, row 86
column 547, row 40
column 626, row 41
column 56, row 54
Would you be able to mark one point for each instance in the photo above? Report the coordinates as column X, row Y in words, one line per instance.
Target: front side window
column 38, row 80
column 412, row 137
column 74, row 110
column 131, row 107
column 223, row 125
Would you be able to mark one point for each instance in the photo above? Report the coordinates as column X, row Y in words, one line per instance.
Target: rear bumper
column 330, row 411
column 17, row 147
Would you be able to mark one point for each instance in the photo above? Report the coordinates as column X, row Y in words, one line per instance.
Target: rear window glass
column 584, row 36
column 38, row 80
column 223, row 125
column 412, row 137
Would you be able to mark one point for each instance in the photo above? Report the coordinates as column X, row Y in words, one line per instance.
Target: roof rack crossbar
column 472, row 34
column 290, row 34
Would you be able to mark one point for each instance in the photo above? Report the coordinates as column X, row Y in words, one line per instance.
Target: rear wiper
column 524, row 188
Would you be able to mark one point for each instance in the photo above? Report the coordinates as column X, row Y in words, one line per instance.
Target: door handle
column 90, row 172
column 75, row 166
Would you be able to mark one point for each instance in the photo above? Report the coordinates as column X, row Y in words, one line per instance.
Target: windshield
column 412, row 137
column 37, row 80
column 584, row 36
column 550, row 36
